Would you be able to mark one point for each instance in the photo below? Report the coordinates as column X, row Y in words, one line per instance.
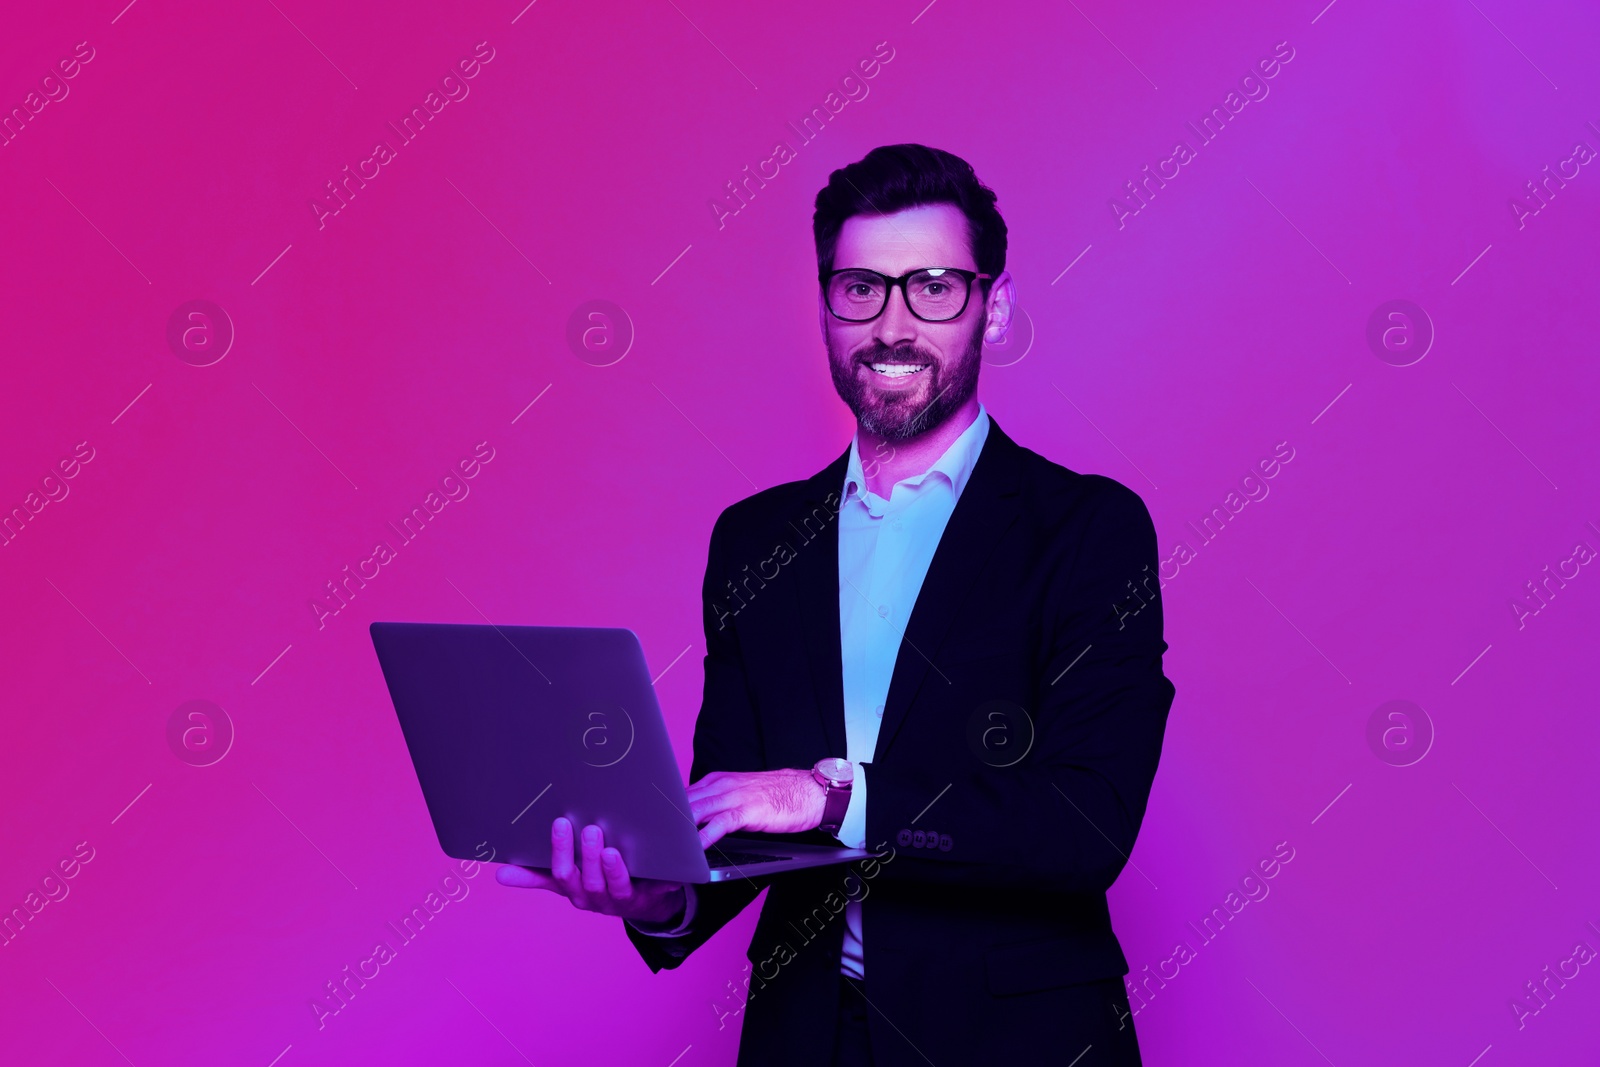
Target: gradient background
column 372, row 354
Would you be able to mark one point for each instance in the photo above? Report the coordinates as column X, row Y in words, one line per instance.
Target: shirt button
column 896, row 524
column 880, row 711
column 883, row 610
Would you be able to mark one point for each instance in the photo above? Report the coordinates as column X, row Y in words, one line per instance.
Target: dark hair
column 894, row 177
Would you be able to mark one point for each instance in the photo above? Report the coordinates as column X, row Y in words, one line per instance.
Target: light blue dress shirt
column 885, row 547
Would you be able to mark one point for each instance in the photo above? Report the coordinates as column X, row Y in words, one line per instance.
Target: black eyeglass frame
column 890, row 284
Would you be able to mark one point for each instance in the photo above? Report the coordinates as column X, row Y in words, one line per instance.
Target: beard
column 902, row 414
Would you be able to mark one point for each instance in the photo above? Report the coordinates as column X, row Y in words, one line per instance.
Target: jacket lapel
column 987, row 508
column 817, row 587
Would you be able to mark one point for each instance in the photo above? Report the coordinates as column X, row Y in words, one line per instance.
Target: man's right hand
column 598, row 881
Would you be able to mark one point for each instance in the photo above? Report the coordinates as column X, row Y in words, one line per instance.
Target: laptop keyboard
column 723, row 858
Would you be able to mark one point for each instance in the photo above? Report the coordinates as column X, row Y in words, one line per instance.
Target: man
column 942, row 646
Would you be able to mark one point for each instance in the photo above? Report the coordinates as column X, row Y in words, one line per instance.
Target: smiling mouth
column 897, row 370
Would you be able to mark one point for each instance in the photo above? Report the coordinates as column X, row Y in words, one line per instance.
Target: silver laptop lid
column 511, row 726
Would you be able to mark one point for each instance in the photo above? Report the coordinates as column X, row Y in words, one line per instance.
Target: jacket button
column 919, row 839
column 946, row 843
column 904, row 838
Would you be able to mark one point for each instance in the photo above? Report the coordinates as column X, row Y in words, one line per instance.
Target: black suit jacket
column 1014, row 761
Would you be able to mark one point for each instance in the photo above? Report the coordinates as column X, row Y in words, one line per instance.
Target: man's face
column 942, row 357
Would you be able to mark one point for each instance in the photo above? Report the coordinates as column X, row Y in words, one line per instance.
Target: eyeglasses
column 933, row 294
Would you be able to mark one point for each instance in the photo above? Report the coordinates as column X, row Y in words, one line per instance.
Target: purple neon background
column 1195, row 338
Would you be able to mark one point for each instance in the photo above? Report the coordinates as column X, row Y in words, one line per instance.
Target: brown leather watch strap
column 835, row 801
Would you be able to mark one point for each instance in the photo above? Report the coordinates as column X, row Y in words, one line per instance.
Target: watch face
column 840, row 770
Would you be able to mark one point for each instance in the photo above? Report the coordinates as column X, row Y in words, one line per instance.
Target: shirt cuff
column 682, row 927
column 852, row 832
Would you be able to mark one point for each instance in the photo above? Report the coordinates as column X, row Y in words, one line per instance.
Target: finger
column 523, row 878
column 705, row 807
column 594, row 880
column 618, row 885
column 724, row 822
column 561, row 868
column 715, row 783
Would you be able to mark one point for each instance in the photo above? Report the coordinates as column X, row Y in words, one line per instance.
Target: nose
column 896, row 323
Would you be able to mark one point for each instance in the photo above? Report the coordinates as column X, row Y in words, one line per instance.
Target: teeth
column 897, row 370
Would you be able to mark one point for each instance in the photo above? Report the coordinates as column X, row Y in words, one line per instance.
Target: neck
column 885, row 462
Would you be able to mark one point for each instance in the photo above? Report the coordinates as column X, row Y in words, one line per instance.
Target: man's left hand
column 777, row 802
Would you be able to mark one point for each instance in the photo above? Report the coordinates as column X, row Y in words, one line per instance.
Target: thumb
column 523, row 878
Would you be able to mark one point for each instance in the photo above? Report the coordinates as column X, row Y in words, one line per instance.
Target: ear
column 1002, row 304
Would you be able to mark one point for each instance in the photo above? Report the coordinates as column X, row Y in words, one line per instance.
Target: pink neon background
column 406, row 331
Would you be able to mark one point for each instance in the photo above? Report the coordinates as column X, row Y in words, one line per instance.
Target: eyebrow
column 924, row 266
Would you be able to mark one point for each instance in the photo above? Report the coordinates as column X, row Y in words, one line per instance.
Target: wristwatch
column 835, row 776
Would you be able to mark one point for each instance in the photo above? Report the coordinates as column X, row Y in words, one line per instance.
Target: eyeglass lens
column 935, row 293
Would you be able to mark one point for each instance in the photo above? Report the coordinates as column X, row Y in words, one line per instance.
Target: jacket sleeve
column 1063, row 818
column 679, row 928
column 726, row 738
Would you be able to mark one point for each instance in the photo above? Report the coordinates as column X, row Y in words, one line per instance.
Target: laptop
column 511, row 726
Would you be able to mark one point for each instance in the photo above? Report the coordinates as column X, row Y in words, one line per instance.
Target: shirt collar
column 956, row 464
